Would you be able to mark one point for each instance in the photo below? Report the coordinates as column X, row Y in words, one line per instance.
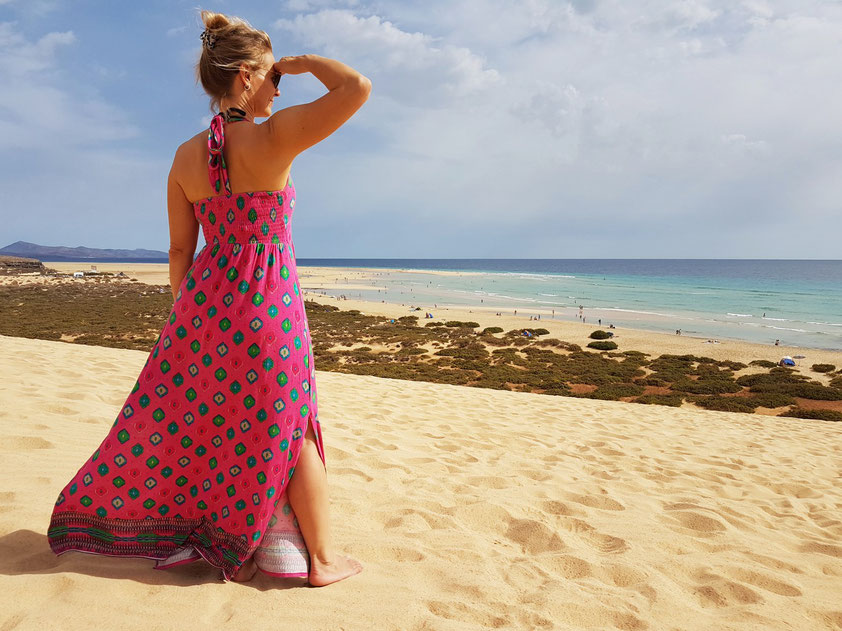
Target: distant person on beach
column 237, row 505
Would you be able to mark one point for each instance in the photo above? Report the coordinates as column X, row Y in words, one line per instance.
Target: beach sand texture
column 469, row 508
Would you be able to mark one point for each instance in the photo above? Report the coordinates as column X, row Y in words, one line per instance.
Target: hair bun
column 214, row 21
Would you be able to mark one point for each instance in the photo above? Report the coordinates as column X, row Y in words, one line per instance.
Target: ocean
column 798, row 302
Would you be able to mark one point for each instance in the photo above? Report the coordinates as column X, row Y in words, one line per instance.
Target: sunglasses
column 274, row 76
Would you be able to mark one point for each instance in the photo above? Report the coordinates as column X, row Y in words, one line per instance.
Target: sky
column 494, row 128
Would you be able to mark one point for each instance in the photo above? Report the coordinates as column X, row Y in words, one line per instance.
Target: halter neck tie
column 217, row 170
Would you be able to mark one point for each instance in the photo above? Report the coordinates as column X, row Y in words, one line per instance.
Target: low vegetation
column 599, row 335
column 603, row 346
column 130, row 315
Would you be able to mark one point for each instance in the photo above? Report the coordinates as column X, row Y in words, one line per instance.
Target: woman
column 200, row 461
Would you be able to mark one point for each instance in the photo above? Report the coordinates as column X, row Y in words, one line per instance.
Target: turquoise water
column 801, row 300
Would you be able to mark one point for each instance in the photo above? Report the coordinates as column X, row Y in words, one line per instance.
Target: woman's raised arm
column 298, row 127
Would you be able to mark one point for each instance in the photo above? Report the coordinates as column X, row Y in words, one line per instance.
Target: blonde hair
column 237, row 42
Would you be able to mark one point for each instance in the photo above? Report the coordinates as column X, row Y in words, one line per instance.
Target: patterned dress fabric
column 197, row 462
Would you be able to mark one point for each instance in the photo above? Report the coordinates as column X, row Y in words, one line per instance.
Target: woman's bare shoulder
column 190, row 148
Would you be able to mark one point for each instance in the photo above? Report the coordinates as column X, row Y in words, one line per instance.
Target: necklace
column 234, row 114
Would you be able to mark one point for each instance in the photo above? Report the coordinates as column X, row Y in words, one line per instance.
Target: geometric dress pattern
column 197, row 462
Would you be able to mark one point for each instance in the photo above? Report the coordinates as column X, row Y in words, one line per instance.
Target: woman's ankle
column 324, row 557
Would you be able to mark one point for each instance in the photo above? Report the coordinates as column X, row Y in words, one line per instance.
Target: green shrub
column 785, row 381
column 603, row 346
column 635, row 354
column 671, row 368
column 815, row 391
column 821, row 415
column 599, row 335
column 492, row 329
column 823, row 367
column 763, row 363
column 727, row 404
column 653, row 381
column 614, row 391
column 411, row 351
column 673, row 400
column 777, row 377
column 706, row 385
column 475, row 351
column 772, row 399
column 457, row 323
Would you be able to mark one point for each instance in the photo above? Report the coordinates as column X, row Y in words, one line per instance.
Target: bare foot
column 325, row 572
column 247, row 571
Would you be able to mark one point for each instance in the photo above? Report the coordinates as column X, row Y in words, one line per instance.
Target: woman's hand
column 292, row 65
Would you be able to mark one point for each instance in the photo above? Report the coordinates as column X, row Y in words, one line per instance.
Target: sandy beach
column 469, row 508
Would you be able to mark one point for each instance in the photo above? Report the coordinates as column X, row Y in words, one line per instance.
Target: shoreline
column 315, row 281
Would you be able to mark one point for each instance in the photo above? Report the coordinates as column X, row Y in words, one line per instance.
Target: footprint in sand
column 533, row 536
column 554, row 507
column 694, row 520
column 756, row 579
column 595, row 501
column 26, row 443
column 569, row 567
column 597, row 540
column 718, row 591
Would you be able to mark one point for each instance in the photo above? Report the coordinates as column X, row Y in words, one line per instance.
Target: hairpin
column 208, row 38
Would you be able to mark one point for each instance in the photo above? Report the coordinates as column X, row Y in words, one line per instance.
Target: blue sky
column 511, row 129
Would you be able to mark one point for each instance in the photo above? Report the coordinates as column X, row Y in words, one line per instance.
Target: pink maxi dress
column 197, row 462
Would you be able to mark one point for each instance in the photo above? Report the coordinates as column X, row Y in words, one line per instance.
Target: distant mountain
column 81, row 253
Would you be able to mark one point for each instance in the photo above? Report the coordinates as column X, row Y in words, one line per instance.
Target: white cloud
column 695, row 111
column 21, row 57
column 39, row 115
column 68, row 142
column 405, row 64
column 312, row 5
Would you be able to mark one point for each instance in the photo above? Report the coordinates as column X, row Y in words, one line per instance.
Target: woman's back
column 254, row 162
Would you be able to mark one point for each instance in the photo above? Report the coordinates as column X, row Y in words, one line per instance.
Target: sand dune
column 469, row 508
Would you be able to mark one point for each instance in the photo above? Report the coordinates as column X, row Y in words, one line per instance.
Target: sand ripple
column 470, row 509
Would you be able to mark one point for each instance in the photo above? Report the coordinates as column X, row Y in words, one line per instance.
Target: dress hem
column 156, row 539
